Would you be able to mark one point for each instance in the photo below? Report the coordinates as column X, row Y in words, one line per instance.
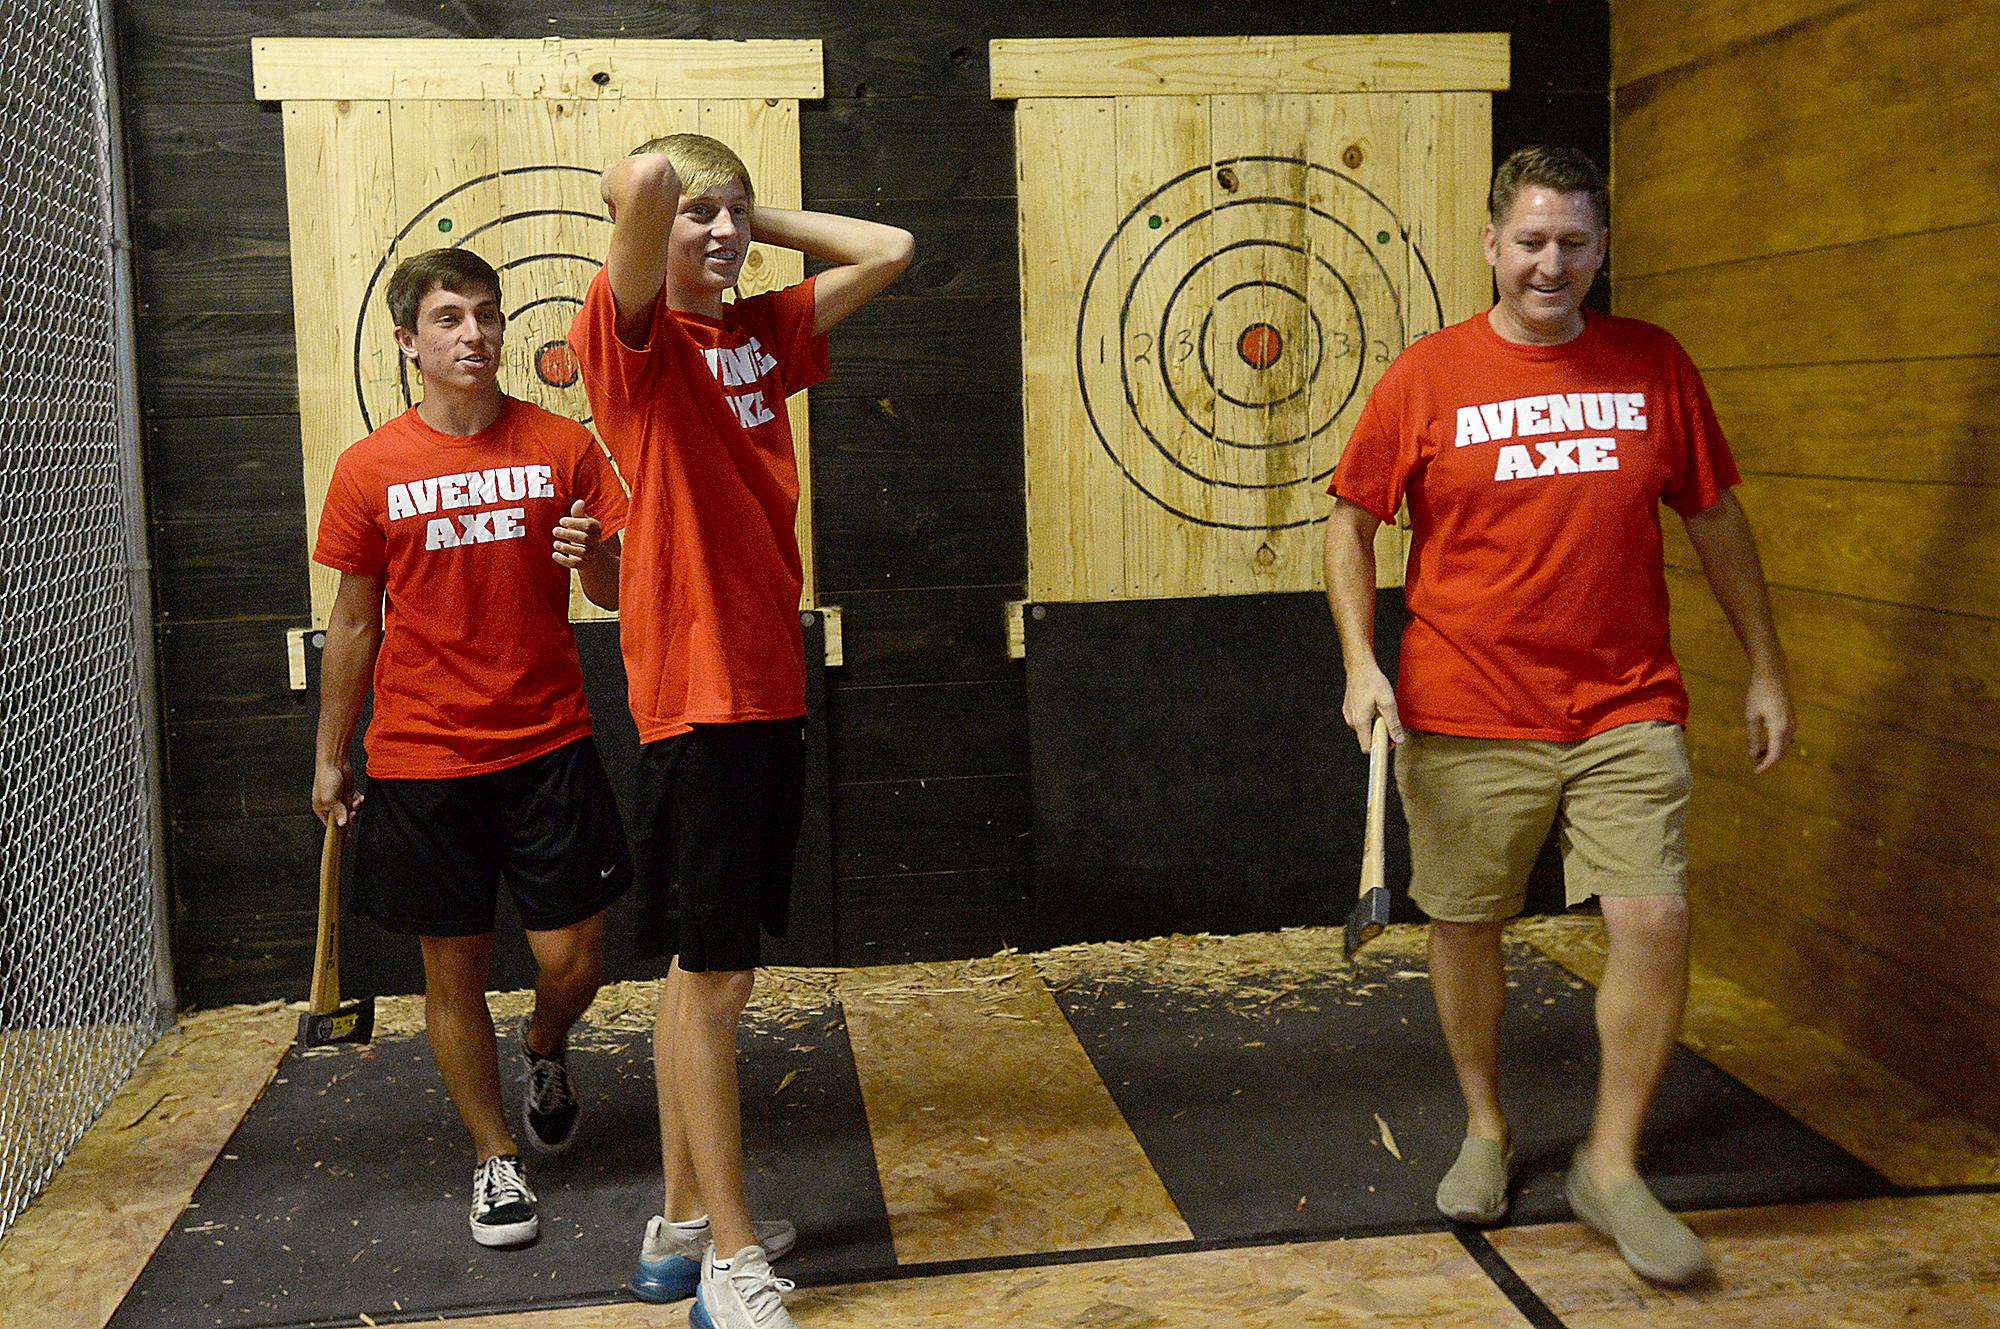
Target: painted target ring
column 1246, row 305
column 546, row 284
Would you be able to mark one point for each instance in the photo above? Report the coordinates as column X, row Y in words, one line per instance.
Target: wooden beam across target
column 1216, row 267
column 397, row 146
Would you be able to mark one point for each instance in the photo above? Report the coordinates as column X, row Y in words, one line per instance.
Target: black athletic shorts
column 430, row 854
column 717, row 814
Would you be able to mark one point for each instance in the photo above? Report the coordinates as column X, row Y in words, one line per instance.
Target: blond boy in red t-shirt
column 481, row 764
column 1535, row 444
column 688, row 392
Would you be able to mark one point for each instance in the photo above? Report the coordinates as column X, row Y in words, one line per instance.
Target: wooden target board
column 393, row 147
column 1224, row 241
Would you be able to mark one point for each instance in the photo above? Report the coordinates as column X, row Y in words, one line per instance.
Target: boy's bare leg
column 1639, row 1007
column 683, row 1200
column 707, row 1009
column 460, row 1027
column 1469, row 984
column 569, row 966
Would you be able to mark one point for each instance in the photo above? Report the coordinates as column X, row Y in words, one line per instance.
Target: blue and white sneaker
column 670, row 1258
column 745, row 1295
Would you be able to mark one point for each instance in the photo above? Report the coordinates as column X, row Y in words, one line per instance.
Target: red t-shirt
column 1536, row 588
column 709, row 587
column 478, row 667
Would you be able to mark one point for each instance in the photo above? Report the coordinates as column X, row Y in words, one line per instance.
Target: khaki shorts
column 1480, row 810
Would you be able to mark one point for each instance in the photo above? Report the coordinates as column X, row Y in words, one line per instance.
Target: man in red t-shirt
column 481, row 766
column 1534, row 444
column 688, row 392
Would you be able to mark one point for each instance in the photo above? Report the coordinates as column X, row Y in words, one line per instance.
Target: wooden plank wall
column 1808, row 193
column 917, row 437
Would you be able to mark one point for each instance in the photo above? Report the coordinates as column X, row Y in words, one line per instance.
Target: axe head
column 353, row 1022
column 1365, row 923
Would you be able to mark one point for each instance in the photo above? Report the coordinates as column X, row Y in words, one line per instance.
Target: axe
column 326, row 1021
column 1371, row 912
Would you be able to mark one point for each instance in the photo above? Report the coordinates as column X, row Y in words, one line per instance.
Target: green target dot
column 1154, row 221
column 444, row 224
column 1381, row 237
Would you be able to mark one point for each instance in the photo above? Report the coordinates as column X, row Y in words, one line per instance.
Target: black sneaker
column 503, row 1208
column 549, row 1109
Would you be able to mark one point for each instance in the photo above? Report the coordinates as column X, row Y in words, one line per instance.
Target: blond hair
column 702, row 163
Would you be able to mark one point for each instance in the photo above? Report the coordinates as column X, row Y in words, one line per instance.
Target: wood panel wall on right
column 1807, row 193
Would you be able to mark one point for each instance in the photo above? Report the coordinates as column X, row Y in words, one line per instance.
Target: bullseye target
column 542, row 284
column 1230, row 329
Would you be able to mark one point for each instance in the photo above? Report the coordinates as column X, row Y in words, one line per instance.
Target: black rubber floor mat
column 346, row 1188
column 1271, row 1113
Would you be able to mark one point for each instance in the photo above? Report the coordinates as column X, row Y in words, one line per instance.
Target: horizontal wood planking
column 1936, row 798
column 1831, row 305
column 926, row 731
column 1911, row 420
column 888, row 827
column 1648, row 36
column 204, row 364
column 951, row 538
column 179, row 153
column 1918, row 670
column 365, row 69
column 236, row 667
column 222, row 466
column 1928, row 546
column 870, row 149
column 926, row 348
column 1905, row 904
column 1213, row 66
column 250, row 567
column 190, row 53
column 935, row 915
column 259, row 767
column 1828, row 113
column 926, row 635
column 1748, row 931
column 916, row 444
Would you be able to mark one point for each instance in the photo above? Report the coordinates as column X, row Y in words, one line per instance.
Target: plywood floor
column 1919, row 1259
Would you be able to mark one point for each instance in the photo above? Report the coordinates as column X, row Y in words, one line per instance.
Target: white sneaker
column 746, row 1295
column 503, row 1208
column 670, row 1259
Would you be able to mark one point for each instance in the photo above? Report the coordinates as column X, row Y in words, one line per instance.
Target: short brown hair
column 701, row 162
column 1565, row 170
column 459, row 271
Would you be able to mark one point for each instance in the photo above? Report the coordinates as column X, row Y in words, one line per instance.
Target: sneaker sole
column 543, row 1146
column 507, row 1234
column 698, row 1316
column 660, row 1291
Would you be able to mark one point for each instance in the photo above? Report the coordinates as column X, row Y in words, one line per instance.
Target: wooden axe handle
column 326, row 950
column 1378, row 807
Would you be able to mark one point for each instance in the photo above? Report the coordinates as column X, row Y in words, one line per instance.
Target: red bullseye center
column 556, row 364
column 1260, row 345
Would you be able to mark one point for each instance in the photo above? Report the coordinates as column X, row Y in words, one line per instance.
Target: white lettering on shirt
column 1567, row 456
column 476, row 528
column 743, row 366
column 1526, row 417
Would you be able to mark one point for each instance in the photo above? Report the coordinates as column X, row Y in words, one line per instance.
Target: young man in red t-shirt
column 481, row 766
column 688, row 392
column 1534, row 444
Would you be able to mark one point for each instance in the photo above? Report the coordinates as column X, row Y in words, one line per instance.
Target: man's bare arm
column 643, row 193
column 1350, row 591
column 353, row 634
column 1728, row 550
column 868, row 256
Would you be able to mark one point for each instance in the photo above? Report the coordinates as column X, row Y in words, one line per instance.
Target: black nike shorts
column 431, row 854
column 716, row 815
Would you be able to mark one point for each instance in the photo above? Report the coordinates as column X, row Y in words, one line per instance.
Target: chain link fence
column 81, row 965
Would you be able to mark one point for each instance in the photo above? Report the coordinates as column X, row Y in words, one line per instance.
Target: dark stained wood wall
column 1808, row 193
column 917, row 437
